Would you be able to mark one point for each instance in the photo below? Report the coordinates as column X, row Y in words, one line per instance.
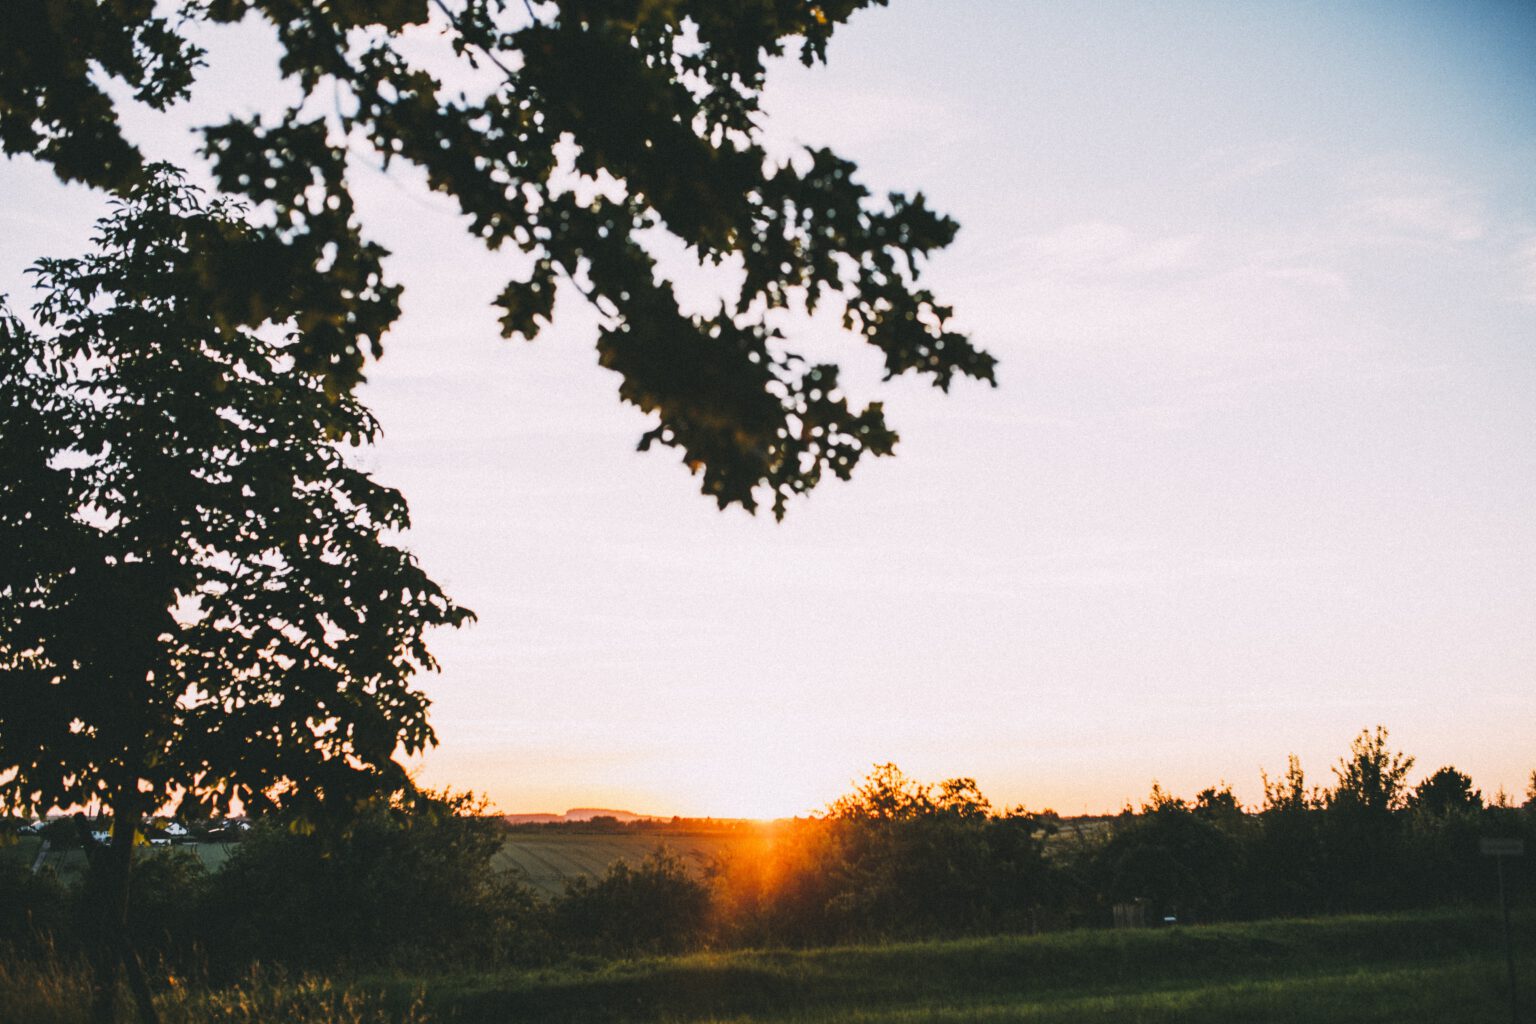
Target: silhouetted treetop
column 1446, row 792
column 889, row 794
column 1373, row 778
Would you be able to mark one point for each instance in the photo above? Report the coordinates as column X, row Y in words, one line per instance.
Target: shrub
column 395, row 884
column 33, row 908
column 1179, row 858
column 655, row 906
column 169, row 888
column 896, row 858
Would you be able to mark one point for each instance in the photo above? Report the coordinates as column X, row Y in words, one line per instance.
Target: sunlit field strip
column 1431, row 967
column 1464, row 991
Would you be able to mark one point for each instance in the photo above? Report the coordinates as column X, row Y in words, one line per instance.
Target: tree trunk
column 103, row 955
column 114, row 946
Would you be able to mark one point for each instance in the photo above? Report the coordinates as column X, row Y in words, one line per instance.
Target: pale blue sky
column 1260, row 473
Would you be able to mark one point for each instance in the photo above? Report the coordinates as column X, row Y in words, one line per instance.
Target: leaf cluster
column 577, row 132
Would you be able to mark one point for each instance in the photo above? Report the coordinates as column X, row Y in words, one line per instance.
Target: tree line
column 896, row 858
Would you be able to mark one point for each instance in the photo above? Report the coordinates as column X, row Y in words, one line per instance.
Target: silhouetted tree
column 1444, row 822
column 576, row 131
column 1373, row 778
column 895, row 857
column 1178, row 858
column 1445, row 793
column 921, row 859
column 915, row 865
column 199, row 605
column 1023, row 882
column 1361, row 830
column 1218, row 805
column 1290, row 792
column 1285, row 859
column 889, row 794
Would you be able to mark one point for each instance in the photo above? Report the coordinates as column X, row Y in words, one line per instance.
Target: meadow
column 1431, row 967
column 1420, row 967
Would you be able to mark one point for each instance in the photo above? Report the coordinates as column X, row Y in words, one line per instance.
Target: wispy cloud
column 1102, row 248
column 1103, row 283
column 1406, row 205
column 1309, row 276
column 1224, row 167
column 867, row 123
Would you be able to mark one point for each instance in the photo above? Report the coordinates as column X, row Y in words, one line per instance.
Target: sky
column 1259, row 474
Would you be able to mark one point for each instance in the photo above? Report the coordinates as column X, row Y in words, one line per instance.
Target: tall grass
column 56, row 990
column 308, row 999
column 42, row 990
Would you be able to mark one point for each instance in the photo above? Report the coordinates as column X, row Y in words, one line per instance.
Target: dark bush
column 413, row 885
column 164, row 916
column 894, row 859
column 1185, row 862
column 655, row 906
column 33, row 909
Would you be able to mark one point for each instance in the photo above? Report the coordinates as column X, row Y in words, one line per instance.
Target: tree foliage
column 895, row 857
column 414, row 883
column 655, row 906
column 1186, row 860
column 579, row 132
column 1289, row 793
column 204, row 604
column 1372, row 780
column 1447, row 792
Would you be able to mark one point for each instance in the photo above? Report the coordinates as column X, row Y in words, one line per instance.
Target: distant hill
column 574, row 814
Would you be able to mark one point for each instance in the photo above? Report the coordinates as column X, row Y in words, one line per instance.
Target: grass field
column 1439, row 967
column 1425, row 968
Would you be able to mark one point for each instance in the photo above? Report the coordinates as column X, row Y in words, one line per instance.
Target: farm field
column 1427, row 967
column 542, row 860
column 546, row 860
